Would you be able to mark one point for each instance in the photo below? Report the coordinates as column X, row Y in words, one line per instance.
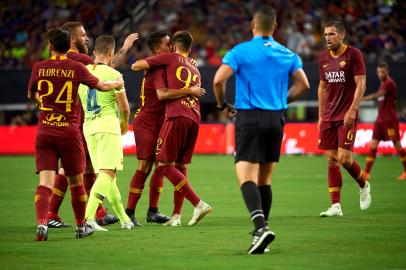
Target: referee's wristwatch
column 221, row 107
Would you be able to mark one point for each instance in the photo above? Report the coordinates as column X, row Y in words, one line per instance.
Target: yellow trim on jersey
column 180, row 185
column 37, row 197
column 58, row 57
column 58, row 192
column 338, row 55
column 72, row 50
column 334, row 189
column 136, row 190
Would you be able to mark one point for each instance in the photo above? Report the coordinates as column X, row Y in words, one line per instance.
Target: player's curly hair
column 59, row 39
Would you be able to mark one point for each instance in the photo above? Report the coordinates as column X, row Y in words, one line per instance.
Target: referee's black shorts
column 258, row 135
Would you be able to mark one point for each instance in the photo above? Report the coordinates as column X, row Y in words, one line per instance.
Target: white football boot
column 201, row 210
column 334, row 210
column 96, row 227
column 174, row 221
column 365, row 196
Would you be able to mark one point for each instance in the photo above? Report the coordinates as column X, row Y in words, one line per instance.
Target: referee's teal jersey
column 262, row 68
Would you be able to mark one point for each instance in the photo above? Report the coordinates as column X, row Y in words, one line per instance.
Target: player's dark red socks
column 335, row 182
column 155, row 188
column 252, row 199
column 78, row 201
column 266, row 199
column 58, row 193
column 355, row 171
column 402, row 155
column 180, row 182
column 178, row 198
column 370, row 160
column 136, row 188
column 88, row 181
column 42, row 196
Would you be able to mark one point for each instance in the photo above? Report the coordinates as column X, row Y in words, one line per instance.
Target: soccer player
column 387, row 123
column 146, row 125
column 262, row 68
column 341, row 88
column 78, row 52
column 54, row 84
column 103, row 129
column 177, row 137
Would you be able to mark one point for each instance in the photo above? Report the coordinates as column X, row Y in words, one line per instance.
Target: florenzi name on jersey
column 335, row 76
column 56, row 72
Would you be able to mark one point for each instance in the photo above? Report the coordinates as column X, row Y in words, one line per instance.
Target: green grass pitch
column 372, row 239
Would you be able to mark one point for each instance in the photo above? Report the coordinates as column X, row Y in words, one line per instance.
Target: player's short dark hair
column 184, row 39
column 383, row 64
column 104, row 44
column 337, row 24
column 71, row 26
column 155, row 39
column 59, row 39
column 265, row 17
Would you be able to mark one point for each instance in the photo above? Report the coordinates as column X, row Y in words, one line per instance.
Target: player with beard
column 78, row 52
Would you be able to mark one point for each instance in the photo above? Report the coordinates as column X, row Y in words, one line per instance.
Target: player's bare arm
column 377, row 94
column 320, row 94
column 166, row 93
column 110, row 85
column 128, row 43
column 349, row 117
column 124, row 109
column 140, row 65
column 299, row 86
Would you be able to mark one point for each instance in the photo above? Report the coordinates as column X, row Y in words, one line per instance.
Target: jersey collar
column 270, row 38
column 58, row 57
column 72, row 50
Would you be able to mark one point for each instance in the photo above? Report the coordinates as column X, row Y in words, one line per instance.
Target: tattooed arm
column 128, row 43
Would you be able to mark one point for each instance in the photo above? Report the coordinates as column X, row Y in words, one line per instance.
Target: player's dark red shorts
column 386, row 130
column 177, row 140
column 334, row 135
column 146, row 127
column 49, row 149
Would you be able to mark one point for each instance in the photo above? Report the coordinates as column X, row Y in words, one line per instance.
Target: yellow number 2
column 67, row 87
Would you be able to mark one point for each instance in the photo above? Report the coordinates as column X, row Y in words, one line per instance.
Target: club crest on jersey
column 342, row 64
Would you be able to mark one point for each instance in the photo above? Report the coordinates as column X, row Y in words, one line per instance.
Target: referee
column 262, row 68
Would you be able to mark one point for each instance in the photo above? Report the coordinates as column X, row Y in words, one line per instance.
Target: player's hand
column 349, row 118
column 129, row 41
column 123, row 126
column 232, row 112
column 197, row 91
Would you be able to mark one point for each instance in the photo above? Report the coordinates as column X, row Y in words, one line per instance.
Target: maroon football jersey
column 80, row 57
column 387, row 103
column 180, row 73
column 149, row 101
column 57, row 80
column 339, row 74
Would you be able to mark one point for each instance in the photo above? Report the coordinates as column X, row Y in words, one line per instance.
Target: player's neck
column 102, row 60
column 339, row 51
column 185, row 54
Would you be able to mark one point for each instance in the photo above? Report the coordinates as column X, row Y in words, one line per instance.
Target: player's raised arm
column 128, row 43
column 166, row 93
column 299, row 86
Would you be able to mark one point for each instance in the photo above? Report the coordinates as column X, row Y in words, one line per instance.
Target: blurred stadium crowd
column 377, row 28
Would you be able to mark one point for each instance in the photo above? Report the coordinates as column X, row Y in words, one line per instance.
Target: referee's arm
column 299, row 86
column 219, row 84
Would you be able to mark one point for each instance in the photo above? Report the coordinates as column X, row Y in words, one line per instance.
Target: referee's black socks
column 266, row 199
column 252, row 199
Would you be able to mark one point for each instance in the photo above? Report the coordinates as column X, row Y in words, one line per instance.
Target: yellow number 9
column 179, row 77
